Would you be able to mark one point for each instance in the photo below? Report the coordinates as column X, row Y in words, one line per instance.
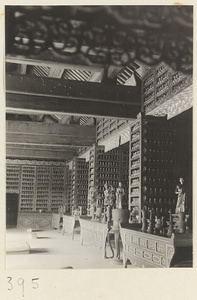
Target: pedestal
column 118, row 216
column 181, row 222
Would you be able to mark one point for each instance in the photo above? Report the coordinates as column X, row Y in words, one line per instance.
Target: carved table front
column 34, row 220
column 149, row 250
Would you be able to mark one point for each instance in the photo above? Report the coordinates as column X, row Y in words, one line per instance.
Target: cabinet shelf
column 135, row 158
column 133, row 140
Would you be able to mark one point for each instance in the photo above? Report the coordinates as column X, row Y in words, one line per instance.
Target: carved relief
column 160, row 248
column 139, row 252
column 163, row 261
column 135, row 240
column 25, row 222
column 156, row 259
column 151, row 245
column 43, row 222
column 147, row 255
column 33, row 32
column 142, row 243
column 170, row 254
column 131, row 250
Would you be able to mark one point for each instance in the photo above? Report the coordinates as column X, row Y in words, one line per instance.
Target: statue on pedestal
column 181, row 198
column 99, row 207
column 106, row 195
column 92, row 199
column 112, row 196
column 109, row 200
column 61, row 210
column 119, row 195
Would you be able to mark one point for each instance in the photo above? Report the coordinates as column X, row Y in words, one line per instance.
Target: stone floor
column 52, row 250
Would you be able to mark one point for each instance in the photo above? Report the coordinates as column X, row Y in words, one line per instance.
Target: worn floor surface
column 52, row 250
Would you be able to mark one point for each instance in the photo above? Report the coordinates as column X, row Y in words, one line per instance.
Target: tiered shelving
column 152, row 165
column 69, row 191
column 57, row 188
column 27, row 190
column 43, row 182
column 40, row 185
column 104, row 167
column 94, row 168
column 80, row 183
column 162, row 83
column 108, row 167
column 135, row 167
column 158, row 165
column 13, row 178
column 106, row 127
column 124, row 172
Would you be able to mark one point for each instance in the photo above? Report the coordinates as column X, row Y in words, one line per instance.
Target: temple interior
column 99, row 137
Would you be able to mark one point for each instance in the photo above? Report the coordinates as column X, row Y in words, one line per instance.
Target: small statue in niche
column 181, row 198
column 134, row 215
column 119, row 196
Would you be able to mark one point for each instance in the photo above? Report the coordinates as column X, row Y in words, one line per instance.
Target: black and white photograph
column 99, row 137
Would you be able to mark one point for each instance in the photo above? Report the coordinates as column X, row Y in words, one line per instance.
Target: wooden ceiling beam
column 76, row 90
column 49, row 134
column 38, row 154
column 66, row 130
column 53, row 148
column 29, row 104
column 32, row 139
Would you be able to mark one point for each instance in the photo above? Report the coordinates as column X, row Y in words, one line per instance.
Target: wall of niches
column 40, row 185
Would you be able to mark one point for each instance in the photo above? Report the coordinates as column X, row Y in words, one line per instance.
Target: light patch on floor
column 52, row 250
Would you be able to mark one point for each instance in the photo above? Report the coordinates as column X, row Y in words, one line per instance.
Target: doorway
column 11, row 209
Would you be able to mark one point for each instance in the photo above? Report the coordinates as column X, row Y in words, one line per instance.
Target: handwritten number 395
column 21, row 283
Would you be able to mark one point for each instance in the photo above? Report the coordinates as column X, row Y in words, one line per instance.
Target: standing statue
column 181, row 199
column 61, row 210
column 106, row 194
column 99, row 207
column 119, row 195
column 112, row 196
column 92, row 199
